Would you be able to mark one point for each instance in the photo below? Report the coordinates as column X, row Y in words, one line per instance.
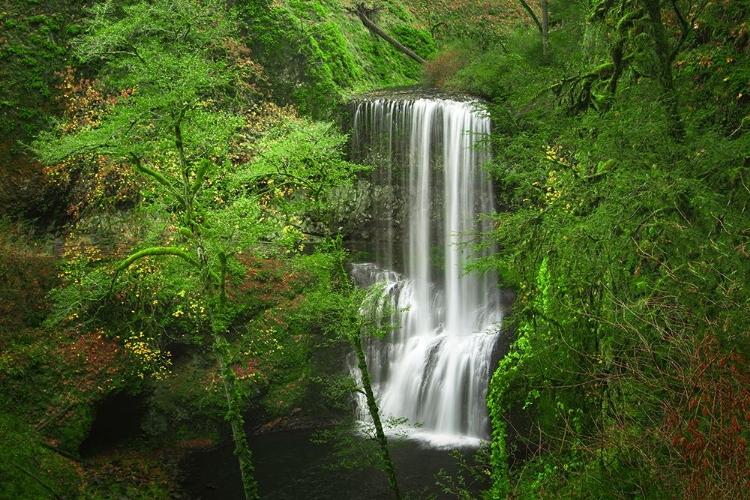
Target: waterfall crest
column 434, row 370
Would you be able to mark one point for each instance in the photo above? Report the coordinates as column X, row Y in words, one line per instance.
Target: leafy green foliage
column 210, row 162
column 608, row 296
column 168, row 128
column 301, row 172
column 715, row 61
column 472, row 473
column 624, row 239
column 482, row 23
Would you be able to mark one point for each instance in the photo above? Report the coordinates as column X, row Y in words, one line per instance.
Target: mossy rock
column 316, row 53
column 34, row 40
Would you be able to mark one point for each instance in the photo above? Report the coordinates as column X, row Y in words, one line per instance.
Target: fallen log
column 364, row 15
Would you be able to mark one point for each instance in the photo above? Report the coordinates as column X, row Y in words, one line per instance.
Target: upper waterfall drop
column 429, row 191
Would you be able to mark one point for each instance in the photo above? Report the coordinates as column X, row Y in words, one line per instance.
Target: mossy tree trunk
column 185, row 189
column 364, row 15
column 374, row 410
column 665, row 55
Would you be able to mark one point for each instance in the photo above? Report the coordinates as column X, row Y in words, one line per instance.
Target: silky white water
column 434, row 370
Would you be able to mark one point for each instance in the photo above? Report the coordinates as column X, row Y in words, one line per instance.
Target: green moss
column 72, row 30
column 28, row 470
column 33, row 48
column 316, row 53
column 400, row 13
column 418, row 40
column 332, row 45
column 308, row 10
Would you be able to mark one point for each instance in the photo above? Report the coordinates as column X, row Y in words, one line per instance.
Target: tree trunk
column 236, row 422
column 545, row 28
column 372, row 406
column 665, row 56
column 362, row 13
column 228, row 378
column 543, row 25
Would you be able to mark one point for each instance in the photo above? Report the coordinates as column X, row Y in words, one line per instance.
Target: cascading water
column 428, row 191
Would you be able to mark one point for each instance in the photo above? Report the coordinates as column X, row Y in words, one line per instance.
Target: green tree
column 362, row 315
column 221, row 173
column 174, row 122
column 356, row 316
column 369, row 324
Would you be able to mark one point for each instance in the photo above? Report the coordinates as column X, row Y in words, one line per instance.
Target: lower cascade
column 429, row 190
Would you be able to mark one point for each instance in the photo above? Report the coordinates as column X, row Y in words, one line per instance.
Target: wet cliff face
column 34, row 47
column 314, row 54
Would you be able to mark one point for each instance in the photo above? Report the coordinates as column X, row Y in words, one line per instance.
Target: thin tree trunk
column 63, row 453
column 39, row 480
column 236, row 422
column 60, row 412
column 372, row 406
column 665, row 55
column 545, row 28
column 229, row 379
column 543, row 25
column 531, row 14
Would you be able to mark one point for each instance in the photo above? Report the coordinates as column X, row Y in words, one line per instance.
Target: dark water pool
column 289, row 466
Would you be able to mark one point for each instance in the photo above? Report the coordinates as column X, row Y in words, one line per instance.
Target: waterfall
column 428, row 190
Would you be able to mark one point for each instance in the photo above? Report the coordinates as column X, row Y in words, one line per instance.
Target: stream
column 289, row 466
